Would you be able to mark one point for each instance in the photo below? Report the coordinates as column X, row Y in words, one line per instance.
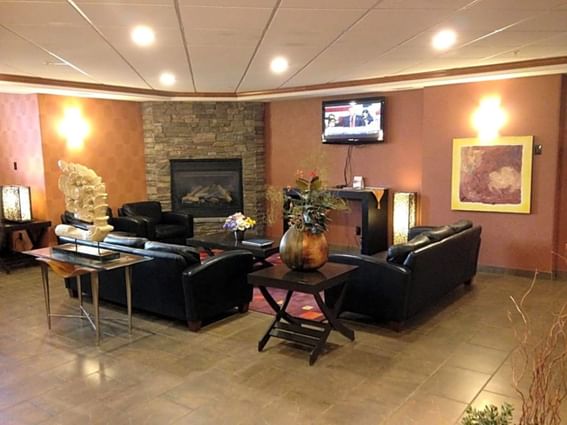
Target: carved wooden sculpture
column 86, row 197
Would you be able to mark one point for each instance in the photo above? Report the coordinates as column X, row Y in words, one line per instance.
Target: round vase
column 303, row 250
column 239, row 235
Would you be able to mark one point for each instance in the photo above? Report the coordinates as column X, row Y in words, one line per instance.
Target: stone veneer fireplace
column 207, row 187
column 206, row 131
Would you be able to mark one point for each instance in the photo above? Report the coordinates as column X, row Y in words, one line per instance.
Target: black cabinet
column 374, row 220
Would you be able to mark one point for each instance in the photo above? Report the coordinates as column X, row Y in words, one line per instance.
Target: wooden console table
column 34, row 229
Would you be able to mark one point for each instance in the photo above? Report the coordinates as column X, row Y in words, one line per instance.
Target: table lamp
column 15, row 203
column 404, row 215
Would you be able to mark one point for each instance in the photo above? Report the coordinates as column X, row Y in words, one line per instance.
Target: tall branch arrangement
column 542, row 359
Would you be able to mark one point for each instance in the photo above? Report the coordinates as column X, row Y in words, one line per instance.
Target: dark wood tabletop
column 226, row 241
column 281, row 276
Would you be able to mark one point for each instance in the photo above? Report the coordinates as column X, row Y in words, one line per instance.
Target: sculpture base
column 90, row 252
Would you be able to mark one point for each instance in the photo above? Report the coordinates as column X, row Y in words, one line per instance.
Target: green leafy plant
column 307, row 205
column 491, row 415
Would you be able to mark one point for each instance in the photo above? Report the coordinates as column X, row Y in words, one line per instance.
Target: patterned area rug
column 301, row 305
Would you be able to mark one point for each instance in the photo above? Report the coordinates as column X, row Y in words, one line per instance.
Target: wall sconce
column 16, row 203
column 74, row 128
column 489, row 118
column 404, row 215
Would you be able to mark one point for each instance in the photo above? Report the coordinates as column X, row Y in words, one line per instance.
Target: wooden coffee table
column 309, row 333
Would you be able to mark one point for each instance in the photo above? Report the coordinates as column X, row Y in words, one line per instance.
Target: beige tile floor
column 458, row 353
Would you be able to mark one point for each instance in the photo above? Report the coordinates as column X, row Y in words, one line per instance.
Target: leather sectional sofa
column 396, row 285
column 175, row 284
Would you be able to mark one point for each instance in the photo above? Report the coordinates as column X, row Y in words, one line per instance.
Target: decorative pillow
column 190, row 254
column 439, row 233
column 461, row 225
column 131, row 241
column 397, row 253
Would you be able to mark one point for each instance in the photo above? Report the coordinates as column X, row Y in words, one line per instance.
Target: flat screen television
column 353, row 121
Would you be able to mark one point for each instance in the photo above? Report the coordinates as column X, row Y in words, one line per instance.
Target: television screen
column 353, row 121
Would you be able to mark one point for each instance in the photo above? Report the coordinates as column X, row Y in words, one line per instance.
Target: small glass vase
column 239, row 235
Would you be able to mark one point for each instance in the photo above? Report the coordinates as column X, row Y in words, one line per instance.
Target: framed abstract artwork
column 493, row 176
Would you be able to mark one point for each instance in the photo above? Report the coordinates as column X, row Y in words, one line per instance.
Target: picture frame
column 492, row 176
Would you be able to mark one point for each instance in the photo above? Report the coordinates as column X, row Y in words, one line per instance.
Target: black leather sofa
column 396, row 285
column 175, row 284
column 158, row 225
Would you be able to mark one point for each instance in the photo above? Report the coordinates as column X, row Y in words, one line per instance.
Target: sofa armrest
column 378, row 288
column 183, row 219
column 217, row 284
column 131, row 225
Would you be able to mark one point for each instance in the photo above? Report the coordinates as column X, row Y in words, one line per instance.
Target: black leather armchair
column 121, row 224
column 158, row 225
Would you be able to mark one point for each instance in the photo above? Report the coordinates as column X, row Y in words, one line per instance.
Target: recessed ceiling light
column 167, row 78
column 143, row 35
column 444, row 39
column 279, row 65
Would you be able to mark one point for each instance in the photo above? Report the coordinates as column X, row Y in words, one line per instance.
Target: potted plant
column 238, row 223
column 306, row 207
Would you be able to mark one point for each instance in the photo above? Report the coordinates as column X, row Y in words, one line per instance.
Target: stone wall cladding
column 197, row 130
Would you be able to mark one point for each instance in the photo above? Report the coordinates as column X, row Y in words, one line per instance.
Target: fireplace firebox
column 207, row 187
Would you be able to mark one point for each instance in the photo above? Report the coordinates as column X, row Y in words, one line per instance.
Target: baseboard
column 558, row 275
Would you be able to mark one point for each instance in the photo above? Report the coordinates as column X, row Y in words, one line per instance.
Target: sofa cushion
column 132, row 241
column 439, row 233
column 461, row 225
column 190, row 254
column 398, row 253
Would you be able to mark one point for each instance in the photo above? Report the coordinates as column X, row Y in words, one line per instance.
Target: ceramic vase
column 303, row 251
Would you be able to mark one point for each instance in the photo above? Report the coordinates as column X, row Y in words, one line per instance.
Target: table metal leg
column 80, row 295
column 128, row 276
column 45, row 283
column 94, row 289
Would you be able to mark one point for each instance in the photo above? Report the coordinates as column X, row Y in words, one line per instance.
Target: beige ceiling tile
column 511, row 39
column 225, row 18
column 327, row 4
column 477, row 19
column 129, row 15
column 41, row 13
column 219, row 68
column 229, row 3
column 552, row 21
column 399, row 23
column 518, row 4
column 423, row 4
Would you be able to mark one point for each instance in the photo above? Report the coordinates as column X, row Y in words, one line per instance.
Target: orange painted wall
column 417, row 157
column 293, row 142
column 20, row 142
column 516, row 241
column 114, row 148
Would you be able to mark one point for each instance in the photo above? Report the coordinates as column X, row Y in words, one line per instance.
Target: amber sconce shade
column 404, row 215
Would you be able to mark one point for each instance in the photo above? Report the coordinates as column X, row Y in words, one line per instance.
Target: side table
column 309, row 333
column 34, row 229
column 66, row 265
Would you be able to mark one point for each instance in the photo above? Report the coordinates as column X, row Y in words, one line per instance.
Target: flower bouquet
column 238, row 223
